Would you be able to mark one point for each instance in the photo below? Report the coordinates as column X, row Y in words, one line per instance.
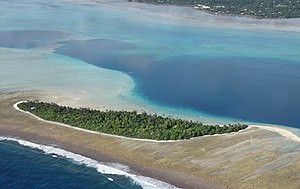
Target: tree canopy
column 255, row 8
column 126, row 123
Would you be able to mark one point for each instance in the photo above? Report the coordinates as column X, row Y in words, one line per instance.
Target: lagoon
column 167, row 60
column 252, row 89
column 210, row 70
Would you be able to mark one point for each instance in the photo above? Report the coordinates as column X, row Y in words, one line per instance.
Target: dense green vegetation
column 256, row 8
column 124, row 123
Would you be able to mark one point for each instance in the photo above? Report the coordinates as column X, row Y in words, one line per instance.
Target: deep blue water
column 242, row 73
column 251, row 89
column 19, row 163
column 245, row 73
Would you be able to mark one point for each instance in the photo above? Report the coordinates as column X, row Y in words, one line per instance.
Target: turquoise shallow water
column 112, row 56
column 241, row 74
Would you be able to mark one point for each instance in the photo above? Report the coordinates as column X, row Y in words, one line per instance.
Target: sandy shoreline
column 175, row 178
column 278, row 130
column 204, row 162
column 85, row 130
column 104, row 158
column 258, row 157
column 110, row 135
column 282, row 132
column 190, row 16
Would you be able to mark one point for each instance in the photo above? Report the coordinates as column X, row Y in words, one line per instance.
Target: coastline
column 196, row 17
column 83, row 94
column 101, row 158
column 110, row 135
column 101, row 167
column 282, row 132
column 285, row 133
column 175, row 178
column 261, row 156
column 203, row 162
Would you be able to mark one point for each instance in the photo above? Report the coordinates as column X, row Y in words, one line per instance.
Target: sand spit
column 254, row 158
column 280, row 131
column 85, row 130
column 110, row 135
column 60, row 138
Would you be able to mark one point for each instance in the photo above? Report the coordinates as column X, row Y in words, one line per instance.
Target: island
column 253, row 8
column 126, row 123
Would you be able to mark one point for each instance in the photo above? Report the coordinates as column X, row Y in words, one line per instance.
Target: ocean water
column 48, row 171
column 116, row 55
column 29, row 165
column 207, row 71
column 230, row 86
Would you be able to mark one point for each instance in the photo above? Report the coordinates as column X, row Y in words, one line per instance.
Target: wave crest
column 113, row 169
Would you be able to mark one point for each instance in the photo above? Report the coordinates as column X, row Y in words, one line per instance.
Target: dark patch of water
column 252, row 89
column 24, row 167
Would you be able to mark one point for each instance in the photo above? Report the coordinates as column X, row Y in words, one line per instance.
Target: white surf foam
column 110, row 179
column 145, row 182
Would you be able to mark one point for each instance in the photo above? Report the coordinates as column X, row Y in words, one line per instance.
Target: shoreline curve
column 285, row 133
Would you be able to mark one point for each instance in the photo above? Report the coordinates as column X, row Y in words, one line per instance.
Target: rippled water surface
column 245, row 74
column 50, row 171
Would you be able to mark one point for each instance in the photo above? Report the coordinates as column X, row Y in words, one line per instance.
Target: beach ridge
column 118, row 136
column 203, row 162
column 285, row 133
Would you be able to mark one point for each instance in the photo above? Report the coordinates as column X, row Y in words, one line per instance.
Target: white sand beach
column 285, row 133
column 281, row 131
column 253, row 158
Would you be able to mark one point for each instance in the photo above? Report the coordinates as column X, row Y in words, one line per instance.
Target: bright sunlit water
column 50, row 171
column 113, row 56
column 239, row 74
